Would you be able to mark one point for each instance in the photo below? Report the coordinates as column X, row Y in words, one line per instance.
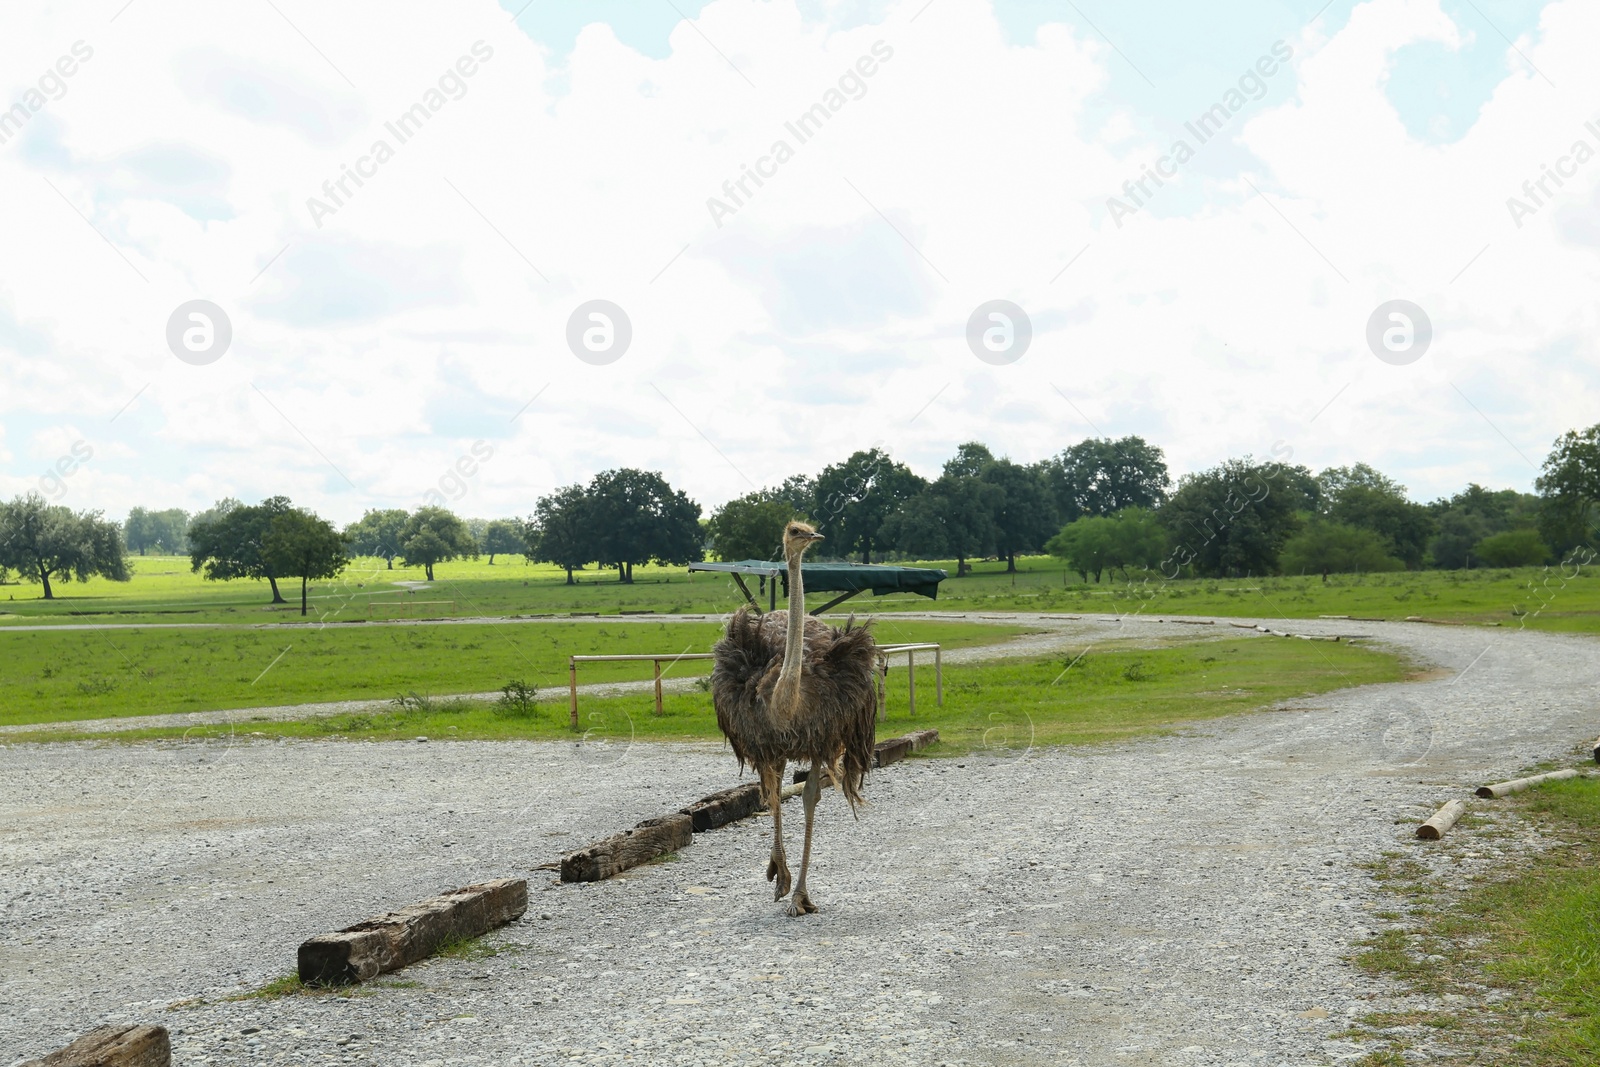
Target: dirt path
column 1177, row 901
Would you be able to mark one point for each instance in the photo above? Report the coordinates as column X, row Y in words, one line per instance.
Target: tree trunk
column 303, row 581
column 866, row 554
column 491, row 559
column 1011, row 563
column 277, row 597
column 569, row 576
column 391, row 561
column 961, row 566
column 44, row 576
column 427, row 569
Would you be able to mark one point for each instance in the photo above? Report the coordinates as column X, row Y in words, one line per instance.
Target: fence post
column 938, row 676
column 911, row 681
column 572, row 686
column 657, row 664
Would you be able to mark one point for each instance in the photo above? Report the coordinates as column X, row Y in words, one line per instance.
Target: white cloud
column 821, row 316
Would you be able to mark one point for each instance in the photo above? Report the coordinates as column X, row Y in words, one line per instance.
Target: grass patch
column 1522, row 945
column 469, row 948
column 58, row 676
column 1085, row 696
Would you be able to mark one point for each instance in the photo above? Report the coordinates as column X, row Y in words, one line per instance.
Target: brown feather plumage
column 835, row 727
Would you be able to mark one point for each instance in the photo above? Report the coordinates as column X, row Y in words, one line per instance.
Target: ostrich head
column 797, row 537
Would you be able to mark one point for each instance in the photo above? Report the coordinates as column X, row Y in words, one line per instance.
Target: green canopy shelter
column 845, row 578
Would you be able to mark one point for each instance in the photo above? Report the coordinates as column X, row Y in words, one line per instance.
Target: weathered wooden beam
column 921, row 739
column 1597, row 751
column 651, row 838
column 1517, row 785
column 1441, row 821
column 891, row 751
column 113, row 1046
column 719, row 809
column 403, row 937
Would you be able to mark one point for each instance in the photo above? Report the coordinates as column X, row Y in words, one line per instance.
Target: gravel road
column 1174, row 901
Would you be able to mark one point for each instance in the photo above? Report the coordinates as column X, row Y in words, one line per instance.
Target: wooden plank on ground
column 921, row 739
column 719, row 809
column 891, row 751
column 114, row 1046
column 1442, row 820
column 1517, row 785
column 651, row 838
column 403, row 937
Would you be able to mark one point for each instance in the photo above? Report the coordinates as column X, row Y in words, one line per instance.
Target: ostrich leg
column 778, row 865
column 800, row 903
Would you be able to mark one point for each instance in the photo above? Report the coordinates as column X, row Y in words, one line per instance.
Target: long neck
column 788, row 687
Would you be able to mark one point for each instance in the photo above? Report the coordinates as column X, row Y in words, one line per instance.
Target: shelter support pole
column 572, row 689
column 938, row 676
column 911, row 681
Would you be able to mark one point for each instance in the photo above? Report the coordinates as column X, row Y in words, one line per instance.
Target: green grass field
column 164, row 590
column 56, row 676
column 1111, row 693
column 1527, row 933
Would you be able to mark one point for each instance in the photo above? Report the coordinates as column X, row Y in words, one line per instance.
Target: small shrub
column 1135, row 672
column 518, row 698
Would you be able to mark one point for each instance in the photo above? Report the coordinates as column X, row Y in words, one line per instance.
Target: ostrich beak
column 815, row 537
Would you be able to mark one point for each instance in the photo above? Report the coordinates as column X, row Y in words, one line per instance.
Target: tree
column 953, row 517
column 164, row 531
column 1023, row 514
column 1363, row 497
column 1232, row 519
column 39, row 540
column 502, row 537
column 634, row 516
column 969, row 461
column 798, row 492
column 228, row 541
column 1513, row 548
column 1137, row 539
column 856, row 497
column 750, row 527
column 1569, row 483
column 433, row 535
column 1101, row 476
column 1336, row 548
column 378, row 534
column 299, row 544
column 1086, row 543
column 559, row 530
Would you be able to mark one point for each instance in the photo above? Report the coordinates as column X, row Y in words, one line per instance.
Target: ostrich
column 794, row 688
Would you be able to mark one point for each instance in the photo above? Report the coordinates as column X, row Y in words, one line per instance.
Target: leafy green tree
column 1569, row 484
column 798, row 493
column 1023, row 514
column 969, row 461
column 855, row 498
column 634, row 516
column 228, row 540
column 1364, row 497
column 1513, row 548
column 1101, row 476
column 300, row 545
column 1086, row 543
column 164, row 531
column 559, row 530
column 750, row 527
column 40, row 540
column 377, row 533
column 433, row 535
column 1336, row 548
column 502, row 537
column 952, row 518
column 1232, row 519
column 1137, row 539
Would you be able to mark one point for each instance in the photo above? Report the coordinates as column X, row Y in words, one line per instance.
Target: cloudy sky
column 959, row 152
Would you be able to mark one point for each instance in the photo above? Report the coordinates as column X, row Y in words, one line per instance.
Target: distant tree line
column 1105, row 506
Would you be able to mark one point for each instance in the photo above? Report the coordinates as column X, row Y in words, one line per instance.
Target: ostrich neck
column 787, row 692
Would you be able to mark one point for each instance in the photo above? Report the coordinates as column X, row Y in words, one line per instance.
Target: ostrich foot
column 800, row 904
column 778, row 871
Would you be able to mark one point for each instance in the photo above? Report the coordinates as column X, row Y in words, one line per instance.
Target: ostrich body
column 789, row 687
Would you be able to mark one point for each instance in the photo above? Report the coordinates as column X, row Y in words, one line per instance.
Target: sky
column 482, row 250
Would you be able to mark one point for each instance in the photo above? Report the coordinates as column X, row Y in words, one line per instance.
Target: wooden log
column 720, row 809
column 398, row 938
column 1597, row 751
column 921, row 739
column 651, row 838
column 891, row 751
column 1442, row 820
column 113, row 1046
column 1517, row 785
